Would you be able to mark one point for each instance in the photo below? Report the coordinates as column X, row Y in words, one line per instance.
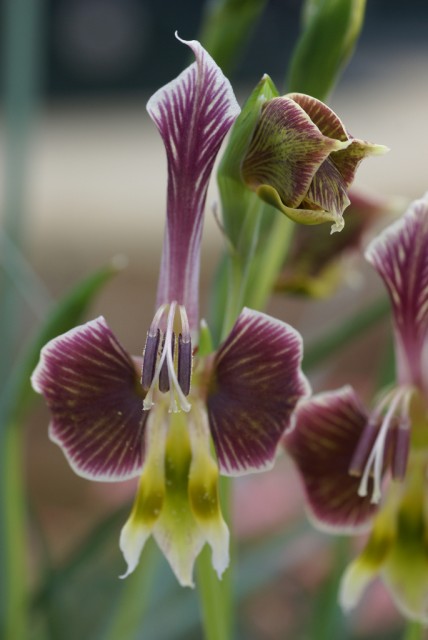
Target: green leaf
column 227, row 27
column 326, row 44
column 339, row 337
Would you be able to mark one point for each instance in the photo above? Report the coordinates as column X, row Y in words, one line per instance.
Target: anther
column 400, row 451
column 184, row 365
column 364, row 446
column 164, row 384
column 150, row 356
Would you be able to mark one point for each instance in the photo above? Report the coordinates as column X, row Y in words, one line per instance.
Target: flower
column 317, row 263
column 116, row 416
column 302, row 160
column 346, row 454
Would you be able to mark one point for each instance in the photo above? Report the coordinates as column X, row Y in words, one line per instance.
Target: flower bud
column 301, row 159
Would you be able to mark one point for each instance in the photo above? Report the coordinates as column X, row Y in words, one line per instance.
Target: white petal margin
column 91, row 386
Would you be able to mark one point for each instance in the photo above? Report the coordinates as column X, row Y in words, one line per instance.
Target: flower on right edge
column 368, row 470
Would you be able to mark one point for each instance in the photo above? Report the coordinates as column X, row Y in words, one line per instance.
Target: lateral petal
column 193, row 114
column 327, row 428
column 92, row 389
column 255, row 385
column 400, row 256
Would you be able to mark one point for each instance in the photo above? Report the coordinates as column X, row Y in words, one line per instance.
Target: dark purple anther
column 149, row 359
column 164, row 384
column 184, row 364
column 400, row 452
column 362, row 451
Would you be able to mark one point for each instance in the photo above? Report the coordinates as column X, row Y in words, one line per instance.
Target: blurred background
column 91, row 186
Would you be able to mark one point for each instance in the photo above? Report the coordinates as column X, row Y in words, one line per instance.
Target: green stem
column 274, row 250
column 13, row 622
column 239, row 265
column 414, row 631
column 216, row 596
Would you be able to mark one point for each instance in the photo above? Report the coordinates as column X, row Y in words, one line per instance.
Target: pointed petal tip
column 132, row 539
column 354, row 581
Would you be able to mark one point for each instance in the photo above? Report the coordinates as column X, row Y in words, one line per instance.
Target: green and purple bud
column 302, row 161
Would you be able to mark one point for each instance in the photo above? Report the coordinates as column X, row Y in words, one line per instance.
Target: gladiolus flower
column 348, row 455
column 117, row 417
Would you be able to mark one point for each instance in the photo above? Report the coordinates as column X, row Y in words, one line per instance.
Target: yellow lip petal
column 204, row 494
column 150, row 496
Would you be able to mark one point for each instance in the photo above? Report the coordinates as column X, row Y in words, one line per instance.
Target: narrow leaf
column 325, row 45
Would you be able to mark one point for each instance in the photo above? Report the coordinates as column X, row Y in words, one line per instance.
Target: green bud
column 301, row 160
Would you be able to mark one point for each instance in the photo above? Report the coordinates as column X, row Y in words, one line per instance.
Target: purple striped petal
column 255, row 386
column 328, row 190
column 321, row 115
column 327, row 429
column 348, row 159
column 92, row 389
column 193, row 114
column 400, row 256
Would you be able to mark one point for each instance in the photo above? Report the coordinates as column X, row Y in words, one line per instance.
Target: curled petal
column 327, row 428
column 193, row 114
column 321, row 115
column 255, row 386
column 348, row 160
column 328, row 192
column 92, row 389
column 400, row 256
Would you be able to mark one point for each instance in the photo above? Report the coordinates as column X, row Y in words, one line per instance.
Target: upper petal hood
column 400, row 256
column 255, row 386
column 193, row 114
column 92, row 389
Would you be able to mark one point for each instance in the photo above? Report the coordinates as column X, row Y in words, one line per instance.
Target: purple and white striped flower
column 117, row 417
column 346, row 454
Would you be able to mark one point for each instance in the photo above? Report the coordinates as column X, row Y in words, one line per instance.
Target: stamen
column 184, row 365
column 159, row 369
column 150, row 355
column 376, row 458
column 364, row 446
column 401, row 451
